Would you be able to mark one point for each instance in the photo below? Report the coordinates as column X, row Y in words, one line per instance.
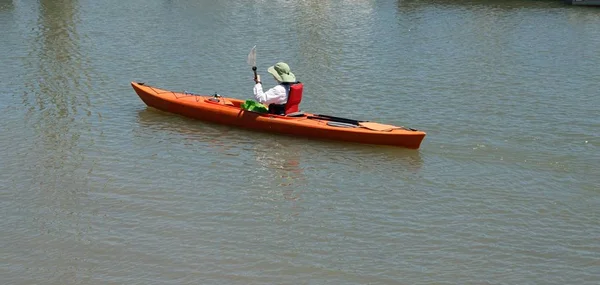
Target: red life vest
column 294, row 98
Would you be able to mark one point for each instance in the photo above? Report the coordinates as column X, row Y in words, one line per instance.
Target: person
column 276, row 97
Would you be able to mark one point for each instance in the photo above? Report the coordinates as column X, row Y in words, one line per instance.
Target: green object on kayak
column 251, row 105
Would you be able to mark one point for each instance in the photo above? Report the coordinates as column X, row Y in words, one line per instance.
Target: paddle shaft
column 255, row 75
column 348, row 121
column 335, row 119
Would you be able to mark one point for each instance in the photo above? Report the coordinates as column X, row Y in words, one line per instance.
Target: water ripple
column 97, row 188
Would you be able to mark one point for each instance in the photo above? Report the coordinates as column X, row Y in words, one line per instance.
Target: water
column 96, row 188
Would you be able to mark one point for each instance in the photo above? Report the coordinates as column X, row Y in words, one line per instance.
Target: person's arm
column 271, row 96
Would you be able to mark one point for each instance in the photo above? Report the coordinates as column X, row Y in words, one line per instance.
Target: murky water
column 96, row 188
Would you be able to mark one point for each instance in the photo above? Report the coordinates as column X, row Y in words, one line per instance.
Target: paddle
column 252, row 60
column 357, row 123
column 335, row 119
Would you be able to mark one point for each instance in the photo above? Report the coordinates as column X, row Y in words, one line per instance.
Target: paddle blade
column 252, row 57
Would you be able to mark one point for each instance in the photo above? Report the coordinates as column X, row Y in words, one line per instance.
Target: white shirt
column 275, row 95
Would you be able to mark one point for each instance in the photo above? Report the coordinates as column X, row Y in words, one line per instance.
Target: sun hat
column 281, row 72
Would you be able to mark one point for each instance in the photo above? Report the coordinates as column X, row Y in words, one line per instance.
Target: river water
column 96, row 188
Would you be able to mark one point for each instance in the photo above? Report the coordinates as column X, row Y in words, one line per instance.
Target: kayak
column 228, row 111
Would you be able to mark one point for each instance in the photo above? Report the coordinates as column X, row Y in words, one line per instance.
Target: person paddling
column 276, row 97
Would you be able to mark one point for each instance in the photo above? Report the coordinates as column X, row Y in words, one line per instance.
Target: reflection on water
column 278, row 178
column 508, row 164
column 6, row 5
column 318, row 26
column 57, row 89
column 268, row 166
column 56, row 93
column 55, row 97
column 277, row 166
column 288, row 151
column 471, row 4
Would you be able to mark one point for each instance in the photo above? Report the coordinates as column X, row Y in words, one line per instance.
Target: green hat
column 281, row 72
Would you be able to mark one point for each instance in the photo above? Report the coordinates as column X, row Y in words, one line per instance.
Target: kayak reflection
column 279, row 152
column 268, row 170
column 274, row 172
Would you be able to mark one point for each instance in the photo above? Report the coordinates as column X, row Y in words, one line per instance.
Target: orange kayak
column 227, row 111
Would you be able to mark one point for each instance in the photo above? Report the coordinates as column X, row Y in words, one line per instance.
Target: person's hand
column 257, row 79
